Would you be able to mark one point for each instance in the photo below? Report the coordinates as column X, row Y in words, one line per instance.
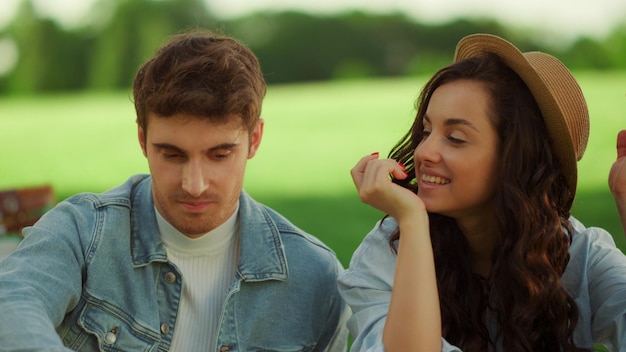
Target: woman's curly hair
column 523, row 294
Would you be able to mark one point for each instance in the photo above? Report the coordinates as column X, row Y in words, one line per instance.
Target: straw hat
column 557, row 93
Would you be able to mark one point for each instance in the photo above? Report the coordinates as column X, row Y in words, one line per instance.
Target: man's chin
column 194, row 232
column 193, row 225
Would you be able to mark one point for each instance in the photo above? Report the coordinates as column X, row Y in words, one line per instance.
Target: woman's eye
column 455, row 140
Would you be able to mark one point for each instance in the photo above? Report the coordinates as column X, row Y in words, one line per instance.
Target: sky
column 564, row 18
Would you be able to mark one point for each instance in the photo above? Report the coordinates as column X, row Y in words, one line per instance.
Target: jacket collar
column 146, row 245
column 261, row 251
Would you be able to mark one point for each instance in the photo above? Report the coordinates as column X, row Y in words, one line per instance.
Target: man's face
column 197, row 168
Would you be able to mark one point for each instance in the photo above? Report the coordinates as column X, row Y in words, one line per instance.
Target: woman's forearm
column 414, row 319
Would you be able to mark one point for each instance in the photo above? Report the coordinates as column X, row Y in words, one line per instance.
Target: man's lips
column 195, row 206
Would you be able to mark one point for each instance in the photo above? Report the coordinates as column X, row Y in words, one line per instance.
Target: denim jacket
column 595, row 277
column 93, row 275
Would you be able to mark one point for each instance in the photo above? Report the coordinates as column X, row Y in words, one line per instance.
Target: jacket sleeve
column 41, row 281
column 339, row 314
column 366, row 288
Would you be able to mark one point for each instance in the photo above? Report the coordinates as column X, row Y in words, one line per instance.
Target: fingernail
column 375, row 153
column 402, row 166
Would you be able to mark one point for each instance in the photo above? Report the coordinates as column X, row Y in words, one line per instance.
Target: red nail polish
column 375, row 153
column 402, row 166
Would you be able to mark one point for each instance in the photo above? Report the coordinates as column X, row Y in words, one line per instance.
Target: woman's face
column 456, row 160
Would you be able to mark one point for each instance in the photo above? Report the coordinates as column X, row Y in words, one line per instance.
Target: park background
column 342, row 82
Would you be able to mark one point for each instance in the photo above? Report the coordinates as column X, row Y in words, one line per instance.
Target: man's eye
column 220, row 156
column 172, row 155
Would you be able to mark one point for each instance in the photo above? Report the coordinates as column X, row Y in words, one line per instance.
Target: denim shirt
column 93, row 275
column 595, row 277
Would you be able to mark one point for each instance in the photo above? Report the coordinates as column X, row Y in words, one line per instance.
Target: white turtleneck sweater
column 208, row 265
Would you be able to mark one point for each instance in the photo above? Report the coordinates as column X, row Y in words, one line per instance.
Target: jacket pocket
column 113, row 332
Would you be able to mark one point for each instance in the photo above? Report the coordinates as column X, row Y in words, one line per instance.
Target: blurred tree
column 136, row 29
column 616, row 47
column 290, row 46
column 50, row 58
column 105, row 52
column 26, row 73
column 294, row 46
column 587, row 53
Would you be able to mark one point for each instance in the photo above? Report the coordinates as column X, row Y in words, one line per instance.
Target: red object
column 23, row 207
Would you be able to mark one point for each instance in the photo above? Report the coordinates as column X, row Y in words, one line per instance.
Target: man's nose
column 194, row 179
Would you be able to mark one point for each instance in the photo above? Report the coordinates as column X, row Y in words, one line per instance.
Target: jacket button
column 165, row 328
column 170, row 277
column 110, row 338
column 225, row 348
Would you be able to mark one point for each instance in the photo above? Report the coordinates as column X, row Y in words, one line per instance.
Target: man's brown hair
column 203, row 74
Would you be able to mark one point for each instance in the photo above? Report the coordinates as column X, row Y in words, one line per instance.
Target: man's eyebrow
column 214, row 148
column 224, row 146
column 166, row 146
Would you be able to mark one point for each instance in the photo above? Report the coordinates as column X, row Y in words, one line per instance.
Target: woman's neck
column 481, row 236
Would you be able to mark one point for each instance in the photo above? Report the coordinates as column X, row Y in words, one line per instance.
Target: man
column 181, row 259
column 617, row 178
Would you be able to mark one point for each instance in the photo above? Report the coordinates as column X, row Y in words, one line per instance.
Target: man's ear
column 255, row 138
column 142, row 139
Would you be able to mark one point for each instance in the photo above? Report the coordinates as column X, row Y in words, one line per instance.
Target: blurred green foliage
column 104, row 53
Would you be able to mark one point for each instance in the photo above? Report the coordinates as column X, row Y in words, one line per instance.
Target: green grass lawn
column 314, row 134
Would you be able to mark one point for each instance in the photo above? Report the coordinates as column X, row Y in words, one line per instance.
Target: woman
column 478, row 243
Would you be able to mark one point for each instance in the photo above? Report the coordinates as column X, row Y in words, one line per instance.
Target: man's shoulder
column 288, row 230
column 122, row 194
column 299, row 245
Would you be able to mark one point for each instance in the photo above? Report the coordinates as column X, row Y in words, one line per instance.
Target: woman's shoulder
column 585, row 238
column 593, row 256
column 374, row 257
column 378, row 237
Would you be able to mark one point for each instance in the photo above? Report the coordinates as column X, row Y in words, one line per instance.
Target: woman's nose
column 427, row 150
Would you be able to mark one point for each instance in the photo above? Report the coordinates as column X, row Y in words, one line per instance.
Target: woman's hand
column 372, row 178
